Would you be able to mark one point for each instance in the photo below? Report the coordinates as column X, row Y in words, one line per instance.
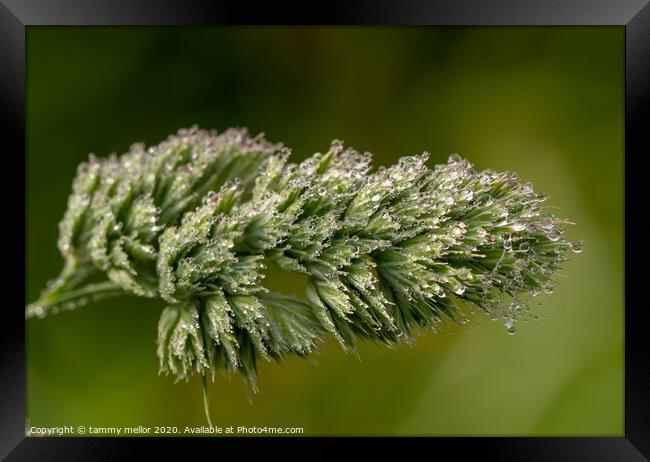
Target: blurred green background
column 544, row 102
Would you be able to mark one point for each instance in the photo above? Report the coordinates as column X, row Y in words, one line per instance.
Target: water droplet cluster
column 196, row 220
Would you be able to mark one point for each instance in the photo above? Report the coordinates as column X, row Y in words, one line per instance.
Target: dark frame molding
column 633, row 15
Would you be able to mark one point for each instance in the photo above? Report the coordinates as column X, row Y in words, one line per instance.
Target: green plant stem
column 72, row 274
column 65, row 289
column 206, row 400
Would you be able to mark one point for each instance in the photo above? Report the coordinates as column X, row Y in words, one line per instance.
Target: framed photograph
column 371, row 220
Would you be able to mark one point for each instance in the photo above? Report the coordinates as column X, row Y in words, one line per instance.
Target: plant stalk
column 206, row 400
column 64, row 291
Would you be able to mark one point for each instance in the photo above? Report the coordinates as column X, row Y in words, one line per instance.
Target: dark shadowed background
column 546, row 102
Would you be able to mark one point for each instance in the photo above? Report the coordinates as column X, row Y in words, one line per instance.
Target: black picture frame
column 633, row 15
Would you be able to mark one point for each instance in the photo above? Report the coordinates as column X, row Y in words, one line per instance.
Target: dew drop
column 553, row 235
column 485, row 200
column 518, row 225
column 527, row 188
column 486, row 177
column 210, row 198
column 39, row 311
column 337, row 146
column 468, row 195
column 576, row 246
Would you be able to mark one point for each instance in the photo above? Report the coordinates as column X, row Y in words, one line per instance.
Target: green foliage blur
column 546, row 102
